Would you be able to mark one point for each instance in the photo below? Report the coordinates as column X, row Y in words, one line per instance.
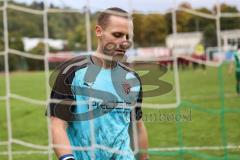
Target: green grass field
column 208, row 94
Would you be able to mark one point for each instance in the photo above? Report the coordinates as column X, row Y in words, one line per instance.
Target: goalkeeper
column 99, row 98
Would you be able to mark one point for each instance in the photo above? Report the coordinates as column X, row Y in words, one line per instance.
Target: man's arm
column 142, row 139
column 59, row 136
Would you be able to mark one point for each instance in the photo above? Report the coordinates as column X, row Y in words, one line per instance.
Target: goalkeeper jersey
column 100, row 104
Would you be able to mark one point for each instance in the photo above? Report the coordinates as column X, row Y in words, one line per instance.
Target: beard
column 110, row 49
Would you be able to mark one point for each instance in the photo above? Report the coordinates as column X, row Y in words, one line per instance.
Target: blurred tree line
column 152, row 29
column 149, row 29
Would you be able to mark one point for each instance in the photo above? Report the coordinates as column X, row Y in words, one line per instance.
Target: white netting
column 49, row 149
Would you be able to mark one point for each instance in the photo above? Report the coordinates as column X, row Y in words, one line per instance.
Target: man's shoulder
column 76, row 62
column 127, row 67
column 67, row 69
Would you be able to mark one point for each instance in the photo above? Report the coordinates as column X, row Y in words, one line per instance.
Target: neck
column 100, row 59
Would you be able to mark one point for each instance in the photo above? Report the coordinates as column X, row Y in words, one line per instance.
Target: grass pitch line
column 196, row 148
column 151, row 149
column 199, row 97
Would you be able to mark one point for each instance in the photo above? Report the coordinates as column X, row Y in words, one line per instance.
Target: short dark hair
column 114, row 11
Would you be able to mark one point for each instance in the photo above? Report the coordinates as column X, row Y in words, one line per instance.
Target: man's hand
column 59, row 137
column 142, row 140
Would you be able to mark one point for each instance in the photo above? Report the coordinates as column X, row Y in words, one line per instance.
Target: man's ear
column 98, row 30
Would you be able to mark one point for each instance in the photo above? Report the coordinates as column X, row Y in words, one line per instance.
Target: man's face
column 116, row 37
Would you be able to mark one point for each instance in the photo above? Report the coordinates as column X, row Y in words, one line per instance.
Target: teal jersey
column 237, row 60
column 93, row 88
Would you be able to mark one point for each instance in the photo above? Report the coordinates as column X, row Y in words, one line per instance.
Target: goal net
column 190, row 106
